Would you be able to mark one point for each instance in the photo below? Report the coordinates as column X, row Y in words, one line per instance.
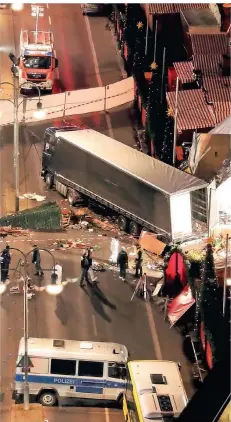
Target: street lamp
column 16, row 7
column 26, row 278
column 38, row 114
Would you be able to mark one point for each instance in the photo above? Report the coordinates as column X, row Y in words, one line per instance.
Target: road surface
column 87, row 58
column 103, row 313
column 84, row 61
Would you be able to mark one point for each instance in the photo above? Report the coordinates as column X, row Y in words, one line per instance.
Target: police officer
column 36, row 260
column 5, row 263
column 139, row 260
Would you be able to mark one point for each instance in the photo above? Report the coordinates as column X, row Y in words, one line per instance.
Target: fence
column 72, row 102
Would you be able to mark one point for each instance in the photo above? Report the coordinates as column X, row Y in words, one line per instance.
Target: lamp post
column 16, row 105
column 25, row 280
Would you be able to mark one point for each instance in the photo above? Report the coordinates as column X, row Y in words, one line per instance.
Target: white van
column 72, row 369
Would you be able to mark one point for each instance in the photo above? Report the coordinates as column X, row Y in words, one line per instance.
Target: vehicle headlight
column 49, row 83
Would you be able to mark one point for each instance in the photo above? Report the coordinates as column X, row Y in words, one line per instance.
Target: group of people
column 117, row 257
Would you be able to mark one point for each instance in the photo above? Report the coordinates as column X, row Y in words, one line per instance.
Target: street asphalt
column 104, row 313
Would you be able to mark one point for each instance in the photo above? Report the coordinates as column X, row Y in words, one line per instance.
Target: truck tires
column 122, row 223
column 49, row 180
column 134, row 229
column 48, row 398
column 72, row 196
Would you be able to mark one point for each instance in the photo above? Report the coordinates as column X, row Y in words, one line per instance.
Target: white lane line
column 49, row 18
column 94, row 325
column 47, row 6
column 98, row 77
column 107, row 415
column 152, row 326
column 96, row 65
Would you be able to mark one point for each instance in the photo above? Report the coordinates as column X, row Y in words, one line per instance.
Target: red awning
column 209, row 44
column 193, row 112
column 180, row 305
column 184, row 71
column 167, row 8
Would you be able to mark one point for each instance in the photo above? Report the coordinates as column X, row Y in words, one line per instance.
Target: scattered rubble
column 14, row 231
column 33, row 196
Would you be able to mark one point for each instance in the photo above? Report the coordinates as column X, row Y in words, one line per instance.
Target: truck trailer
column 84, row 165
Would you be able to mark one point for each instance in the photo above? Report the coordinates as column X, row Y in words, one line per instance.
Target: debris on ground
column 33, row 196
column 70, row 244
column 96, row 266
column 14, row 231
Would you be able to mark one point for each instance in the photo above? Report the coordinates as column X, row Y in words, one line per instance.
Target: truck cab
column 37, row 62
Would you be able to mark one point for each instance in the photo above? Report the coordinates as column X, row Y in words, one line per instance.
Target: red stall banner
column 209, row 355
column 176, row 266
column 180, row 305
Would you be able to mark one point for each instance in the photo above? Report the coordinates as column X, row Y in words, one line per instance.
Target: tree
column 154, row 110
column 211, row 308
column 167, row 147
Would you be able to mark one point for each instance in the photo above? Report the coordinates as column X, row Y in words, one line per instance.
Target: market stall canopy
column 193, row 112
column 167, row 8
column 184, row 71
column 180, row 305
column 211, row 152
column 224, row 128
column 159, row 175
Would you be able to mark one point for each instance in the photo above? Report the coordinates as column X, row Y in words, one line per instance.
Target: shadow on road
column 98, row 299
column 61, row 310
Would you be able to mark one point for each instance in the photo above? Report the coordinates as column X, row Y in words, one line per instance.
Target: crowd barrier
column 71, row 102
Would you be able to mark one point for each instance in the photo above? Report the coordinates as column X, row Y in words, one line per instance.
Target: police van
column 72, row 369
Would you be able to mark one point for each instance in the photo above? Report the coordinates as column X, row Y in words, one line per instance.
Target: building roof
column 208, row 64
column 74, row 349
column 155, row 173
column 184, row 71
column 193, row 112
column 209, row 44
column 218, row 88
column 201, row 19
column 223, row 128
column 171, row 8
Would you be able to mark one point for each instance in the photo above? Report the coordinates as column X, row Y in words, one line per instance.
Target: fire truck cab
column 37, row 61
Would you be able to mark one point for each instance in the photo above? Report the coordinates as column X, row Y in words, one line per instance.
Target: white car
column 91, row 8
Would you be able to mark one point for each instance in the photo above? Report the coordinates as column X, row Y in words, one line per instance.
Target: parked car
column 91, row 8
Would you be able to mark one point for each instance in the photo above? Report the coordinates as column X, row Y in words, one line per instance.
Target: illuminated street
column 88, row 57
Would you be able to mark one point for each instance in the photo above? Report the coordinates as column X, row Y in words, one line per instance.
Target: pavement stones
column 34, row 414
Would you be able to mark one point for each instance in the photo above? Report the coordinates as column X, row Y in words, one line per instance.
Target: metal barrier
column 72, row 102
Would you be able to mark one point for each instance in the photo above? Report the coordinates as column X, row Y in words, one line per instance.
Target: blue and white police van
column 61, row 369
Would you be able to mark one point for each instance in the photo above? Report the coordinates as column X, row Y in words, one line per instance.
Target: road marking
column 47, row 6
column 98, row 77
column 107, row 415
column 94, row 325
column 152, row 326
column 49, row 18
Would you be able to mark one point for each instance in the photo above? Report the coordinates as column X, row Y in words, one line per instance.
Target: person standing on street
column 90, row 270
column 139, row 260
column 122, row 261
column 114, row 249
column 36, row 260
column 5, row 263
column 85, row 267
column 58, row 271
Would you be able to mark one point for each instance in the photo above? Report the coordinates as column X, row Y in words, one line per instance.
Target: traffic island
column 34, row 414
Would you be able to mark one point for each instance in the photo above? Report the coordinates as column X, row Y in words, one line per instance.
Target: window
column 90, row 369
column 63, row 366
column 40, row 366
column 117, row 370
